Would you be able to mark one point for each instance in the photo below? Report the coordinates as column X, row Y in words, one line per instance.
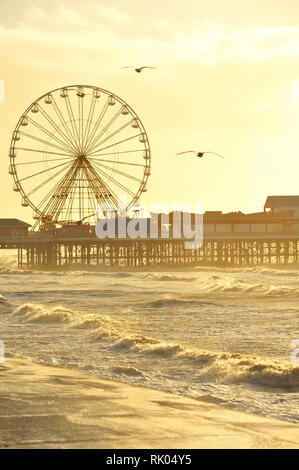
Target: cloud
column 209, row 44
column 104, row 29
column 112, row 14
column 64, row 17
column 162, row 24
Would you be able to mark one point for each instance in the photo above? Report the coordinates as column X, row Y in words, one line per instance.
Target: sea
column 221, row 335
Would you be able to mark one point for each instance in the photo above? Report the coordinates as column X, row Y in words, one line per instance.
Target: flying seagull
column 200, row 154
column 138, row 70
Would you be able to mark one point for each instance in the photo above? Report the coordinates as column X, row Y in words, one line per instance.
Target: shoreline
column 44, row 406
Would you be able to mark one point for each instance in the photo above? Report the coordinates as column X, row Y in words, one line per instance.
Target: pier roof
column 281, row 201
column 13, row 223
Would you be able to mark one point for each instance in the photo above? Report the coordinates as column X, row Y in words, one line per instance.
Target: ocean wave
column 275, row 272
column 216, row 283
column 223, row 367
column 6, row 271
column 102, row 326
column 173, row 302
column 290, row 270
column 168, row 277
column 8, row 258
column 219, row 367
column 42, row 314
column 225, row 285
column 70, row 293
column 3, row 300
column 10, row 271
column 127, row 370
column 230, row 285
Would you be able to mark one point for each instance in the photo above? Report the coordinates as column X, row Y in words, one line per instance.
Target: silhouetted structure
column 280, row 203
column 13, row 228
column 229, row 239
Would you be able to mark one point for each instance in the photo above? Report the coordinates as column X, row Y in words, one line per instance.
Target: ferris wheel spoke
column 113, row 153
column 97, row 124
column 41, row 140
column 49, row 194
column 89, row 120
column 53, row 204
column 99, row 165
column 115, row 161
column 94, row 148
column 43, row 171
column 68, row 210
column 109, row 196
column 68, row 155
column 117, row 183
column 80, row 124
column 92, row 176
column 72, row 121
column 69, row 137
column 102, row 132
column 36, row 124
column 99, row 190
column 40, row 161
column 84, row 194
column 54, row 125
column 65, row 190
column 92, row 200
column 46, row 181
column 54, row 196
column 119, row 142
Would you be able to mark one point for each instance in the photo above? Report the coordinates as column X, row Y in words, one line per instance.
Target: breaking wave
column 41, row 314
column 275, row 272
column 290, row 270
column 222, row 284
column 219, row 366
column 102, row 325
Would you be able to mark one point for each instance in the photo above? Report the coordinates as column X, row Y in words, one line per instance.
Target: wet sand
column 52, row 407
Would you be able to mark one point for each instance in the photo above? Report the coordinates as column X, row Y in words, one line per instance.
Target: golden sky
column 227, row 80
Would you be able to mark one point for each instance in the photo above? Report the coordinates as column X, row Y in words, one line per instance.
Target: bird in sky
column 200, row 154
column 138, row 70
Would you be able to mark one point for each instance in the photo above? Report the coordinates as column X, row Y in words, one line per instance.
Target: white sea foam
column 41, row 314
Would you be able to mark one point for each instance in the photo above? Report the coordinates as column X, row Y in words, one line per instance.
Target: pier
column 228, row 240
column 146, row 253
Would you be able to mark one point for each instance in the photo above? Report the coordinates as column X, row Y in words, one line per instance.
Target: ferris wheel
column 76, row 149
